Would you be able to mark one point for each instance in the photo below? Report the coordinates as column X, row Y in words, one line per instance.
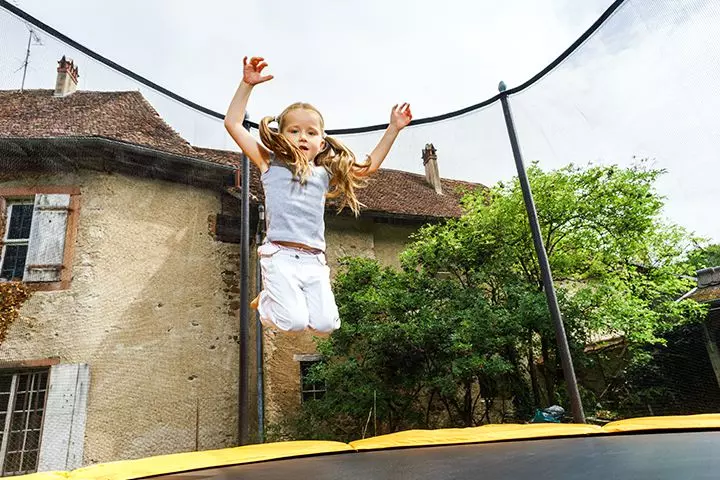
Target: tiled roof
column 405, row 193
column 124, row 116
column 128, row 117
column 708, row 289
column 391, row 192
column 706, row 294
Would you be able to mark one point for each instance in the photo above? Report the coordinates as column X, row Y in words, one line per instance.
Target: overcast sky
column 354, row 59
column 646, row 85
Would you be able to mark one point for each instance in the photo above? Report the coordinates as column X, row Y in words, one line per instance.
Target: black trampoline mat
column 657, row 456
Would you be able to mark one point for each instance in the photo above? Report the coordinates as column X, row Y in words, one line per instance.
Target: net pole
column 243, row 393
column 259, row 333
column 565, row 358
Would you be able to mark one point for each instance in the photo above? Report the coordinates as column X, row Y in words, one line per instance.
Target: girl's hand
column 400, row 116
column 252, row 71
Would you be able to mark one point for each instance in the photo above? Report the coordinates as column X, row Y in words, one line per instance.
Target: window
column 22, row 403
column 17, row 237
column 37, row 226
column 310, row 390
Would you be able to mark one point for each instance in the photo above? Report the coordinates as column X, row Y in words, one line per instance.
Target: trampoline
column 565, row 116
column 646, row 448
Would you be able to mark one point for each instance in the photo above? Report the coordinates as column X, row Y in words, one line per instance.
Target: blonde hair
column 336, row 158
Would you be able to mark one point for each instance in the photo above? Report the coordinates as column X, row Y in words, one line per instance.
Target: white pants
column 296, row 293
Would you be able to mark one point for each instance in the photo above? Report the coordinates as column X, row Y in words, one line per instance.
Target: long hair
column 345, row 172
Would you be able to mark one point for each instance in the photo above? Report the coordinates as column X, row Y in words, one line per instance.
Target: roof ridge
column 137, row 95
column 81, row 92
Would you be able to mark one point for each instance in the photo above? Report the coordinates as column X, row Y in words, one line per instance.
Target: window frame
column 6, row 242
column 307, row 388
column 9, row 195
column 10, row 410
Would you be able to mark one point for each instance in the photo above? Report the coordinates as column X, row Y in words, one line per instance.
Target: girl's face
column 303, row 128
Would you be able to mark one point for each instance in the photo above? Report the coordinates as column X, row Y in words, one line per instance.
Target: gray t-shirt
column 295, row 212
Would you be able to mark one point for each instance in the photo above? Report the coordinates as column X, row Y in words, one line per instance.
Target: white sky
column 647, row 85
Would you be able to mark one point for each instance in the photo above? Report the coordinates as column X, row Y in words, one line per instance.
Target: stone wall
column 152, row 309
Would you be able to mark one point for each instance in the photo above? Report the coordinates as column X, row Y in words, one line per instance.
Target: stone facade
column 151, row 309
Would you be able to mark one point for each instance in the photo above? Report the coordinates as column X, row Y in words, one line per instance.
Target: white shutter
column 47, row 238
column 63, row 435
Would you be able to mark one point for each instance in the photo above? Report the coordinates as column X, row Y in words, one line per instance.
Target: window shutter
column 63, row 435
column 47, row 238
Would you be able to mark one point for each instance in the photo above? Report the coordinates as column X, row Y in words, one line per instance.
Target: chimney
column 67, row 77
column 432, row 174
column 708, row 277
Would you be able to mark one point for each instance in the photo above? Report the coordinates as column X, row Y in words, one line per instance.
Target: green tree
column 704, row 257
column 616, row 265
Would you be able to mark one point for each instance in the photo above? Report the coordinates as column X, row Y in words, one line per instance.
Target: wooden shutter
column 63, row 436
column 47, row 238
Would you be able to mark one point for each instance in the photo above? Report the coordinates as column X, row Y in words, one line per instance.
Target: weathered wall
column 151, row 309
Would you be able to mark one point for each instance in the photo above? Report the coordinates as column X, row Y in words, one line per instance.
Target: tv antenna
column 33, row 39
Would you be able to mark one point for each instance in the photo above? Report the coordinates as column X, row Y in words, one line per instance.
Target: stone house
column 125, row 233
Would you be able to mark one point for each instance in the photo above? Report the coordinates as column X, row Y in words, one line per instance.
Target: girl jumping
column 300, row 167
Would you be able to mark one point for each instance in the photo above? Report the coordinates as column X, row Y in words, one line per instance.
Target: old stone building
column 128, row 345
